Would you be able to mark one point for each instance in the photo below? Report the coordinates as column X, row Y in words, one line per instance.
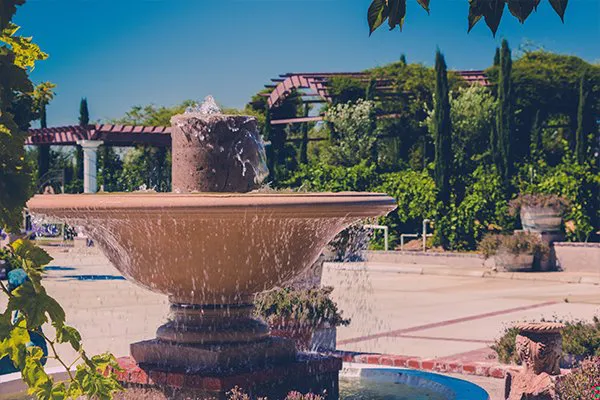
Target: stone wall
column 578, row 257
column 464, row 260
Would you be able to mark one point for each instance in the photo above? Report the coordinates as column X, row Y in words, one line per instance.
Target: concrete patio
column 427, row 316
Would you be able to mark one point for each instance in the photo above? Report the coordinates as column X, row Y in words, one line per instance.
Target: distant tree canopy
column 394, row 11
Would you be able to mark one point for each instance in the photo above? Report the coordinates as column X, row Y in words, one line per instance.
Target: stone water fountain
column 210, row 253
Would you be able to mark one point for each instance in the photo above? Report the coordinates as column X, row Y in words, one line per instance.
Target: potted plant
column 513, row 252
column 539, row 212
column 309, row 316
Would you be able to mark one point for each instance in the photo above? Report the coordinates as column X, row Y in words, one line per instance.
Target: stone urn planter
column 539, row 346
column 515, row 252
column 539, row 212
column 506, row 261
column 541, row 219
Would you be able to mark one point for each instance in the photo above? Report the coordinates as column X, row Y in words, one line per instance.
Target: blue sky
column 120, row 53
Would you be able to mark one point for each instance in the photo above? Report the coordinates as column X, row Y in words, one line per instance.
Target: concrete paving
column 427, row 316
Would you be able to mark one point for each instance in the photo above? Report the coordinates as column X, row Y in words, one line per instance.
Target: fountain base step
column 307, row 373
column 214, row 358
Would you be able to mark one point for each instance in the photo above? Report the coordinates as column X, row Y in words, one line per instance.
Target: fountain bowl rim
column 351, row 204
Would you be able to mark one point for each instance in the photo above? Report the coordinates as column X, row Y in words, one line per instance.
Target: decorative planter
column 540, row 219
column 506, row 261
column 307, row 338
column 539, row 346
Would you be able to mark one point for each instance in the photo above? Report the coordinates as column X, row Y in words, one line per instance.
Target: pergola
column 314, row 89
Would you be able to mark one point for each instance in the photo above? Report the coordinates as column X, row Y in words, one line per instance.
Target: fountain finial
column 208, row 107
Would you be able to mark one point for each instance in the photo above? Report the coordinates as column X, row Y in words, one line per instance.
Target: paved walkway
column 445, row 317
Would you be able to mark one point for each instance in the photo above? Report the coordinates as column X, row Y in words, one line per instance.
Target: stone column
column 90, row 156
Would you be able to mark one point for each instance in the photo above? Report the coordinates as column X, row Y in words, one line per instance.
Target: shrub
column 581, row 383
column 516, row 244
column 557, row 203
column 579, row 339
column 505, row 347
column 307, row 307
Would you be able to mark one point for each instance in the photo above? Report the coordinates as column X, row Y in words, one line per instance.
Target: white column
column 90, row 150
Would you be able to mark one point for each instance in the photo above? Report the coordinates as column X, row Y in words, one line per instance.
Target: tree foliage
column 504, row 117
column 442, row 130
column 394, row 11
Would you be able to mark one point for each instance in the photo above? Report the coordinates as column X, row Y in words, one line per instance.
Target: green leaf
column 68, row 334
column 475, row 13
column 27, row 250
column 378, row 13
column 8, row 8
column 424, row 4
column 397, row 13
column 560, row 6
column 15, row 345
column 492, row 13
column 522, row 8
column 35, row 306
column 5, row 325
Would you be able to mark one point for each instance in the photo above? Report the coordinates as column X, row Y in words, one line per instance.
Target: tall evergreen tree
column 442, row 130
column 585, row 124
column 43, row 149
column 84, row 120
column 403, row 58
column 504, row 117
column 304, row 143
column 536, row 147
column 371, row 90
column 497, row 57
column 84, row 113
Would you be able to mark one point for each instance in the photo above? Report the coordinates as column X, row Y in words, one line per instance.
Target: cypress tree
column 304, row 144
column 584, row 126
column 497, row 57
column 44, row 149
column 84, row 120
column 504, row 116
column 84, row 114
column 371, row 90
column 403, row 59
column 442, row 130
column 536, row 137
column 270, row 150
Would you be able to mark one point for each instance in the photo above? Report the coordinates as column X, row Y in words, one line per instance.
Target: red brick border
column 490, row 370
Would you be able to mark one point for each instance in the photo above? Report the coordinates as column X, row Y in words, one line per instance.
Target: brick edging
column 490, row 370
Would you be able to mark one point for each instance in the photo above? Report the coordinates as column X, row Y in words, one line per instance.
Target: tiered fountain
column 211, row 252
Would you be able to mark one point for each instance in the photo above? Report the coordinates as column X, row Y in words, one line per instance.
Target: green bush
column 329, row 178
column 415, row 193
column 582, row 383
column 307, row 307
column 482, row 209
column 577, row 183
column 579, row 339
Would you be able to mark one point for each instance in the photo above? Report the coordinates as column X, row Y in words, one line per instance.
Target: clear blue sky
column 120, row 53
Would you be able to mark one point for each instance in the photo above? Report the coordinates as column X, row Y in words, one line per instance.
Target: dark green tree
column 84, row 120
column 585, row 123
column 504, row 116
column 371, row 90
column 403, row 58
column 84, row 113
column 304, row 142
column 536, row 146
column 497, row 57
column 442, row 130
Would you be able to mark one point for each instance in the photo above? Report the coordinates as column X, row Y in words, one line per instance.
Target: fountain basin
column 211, row 248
